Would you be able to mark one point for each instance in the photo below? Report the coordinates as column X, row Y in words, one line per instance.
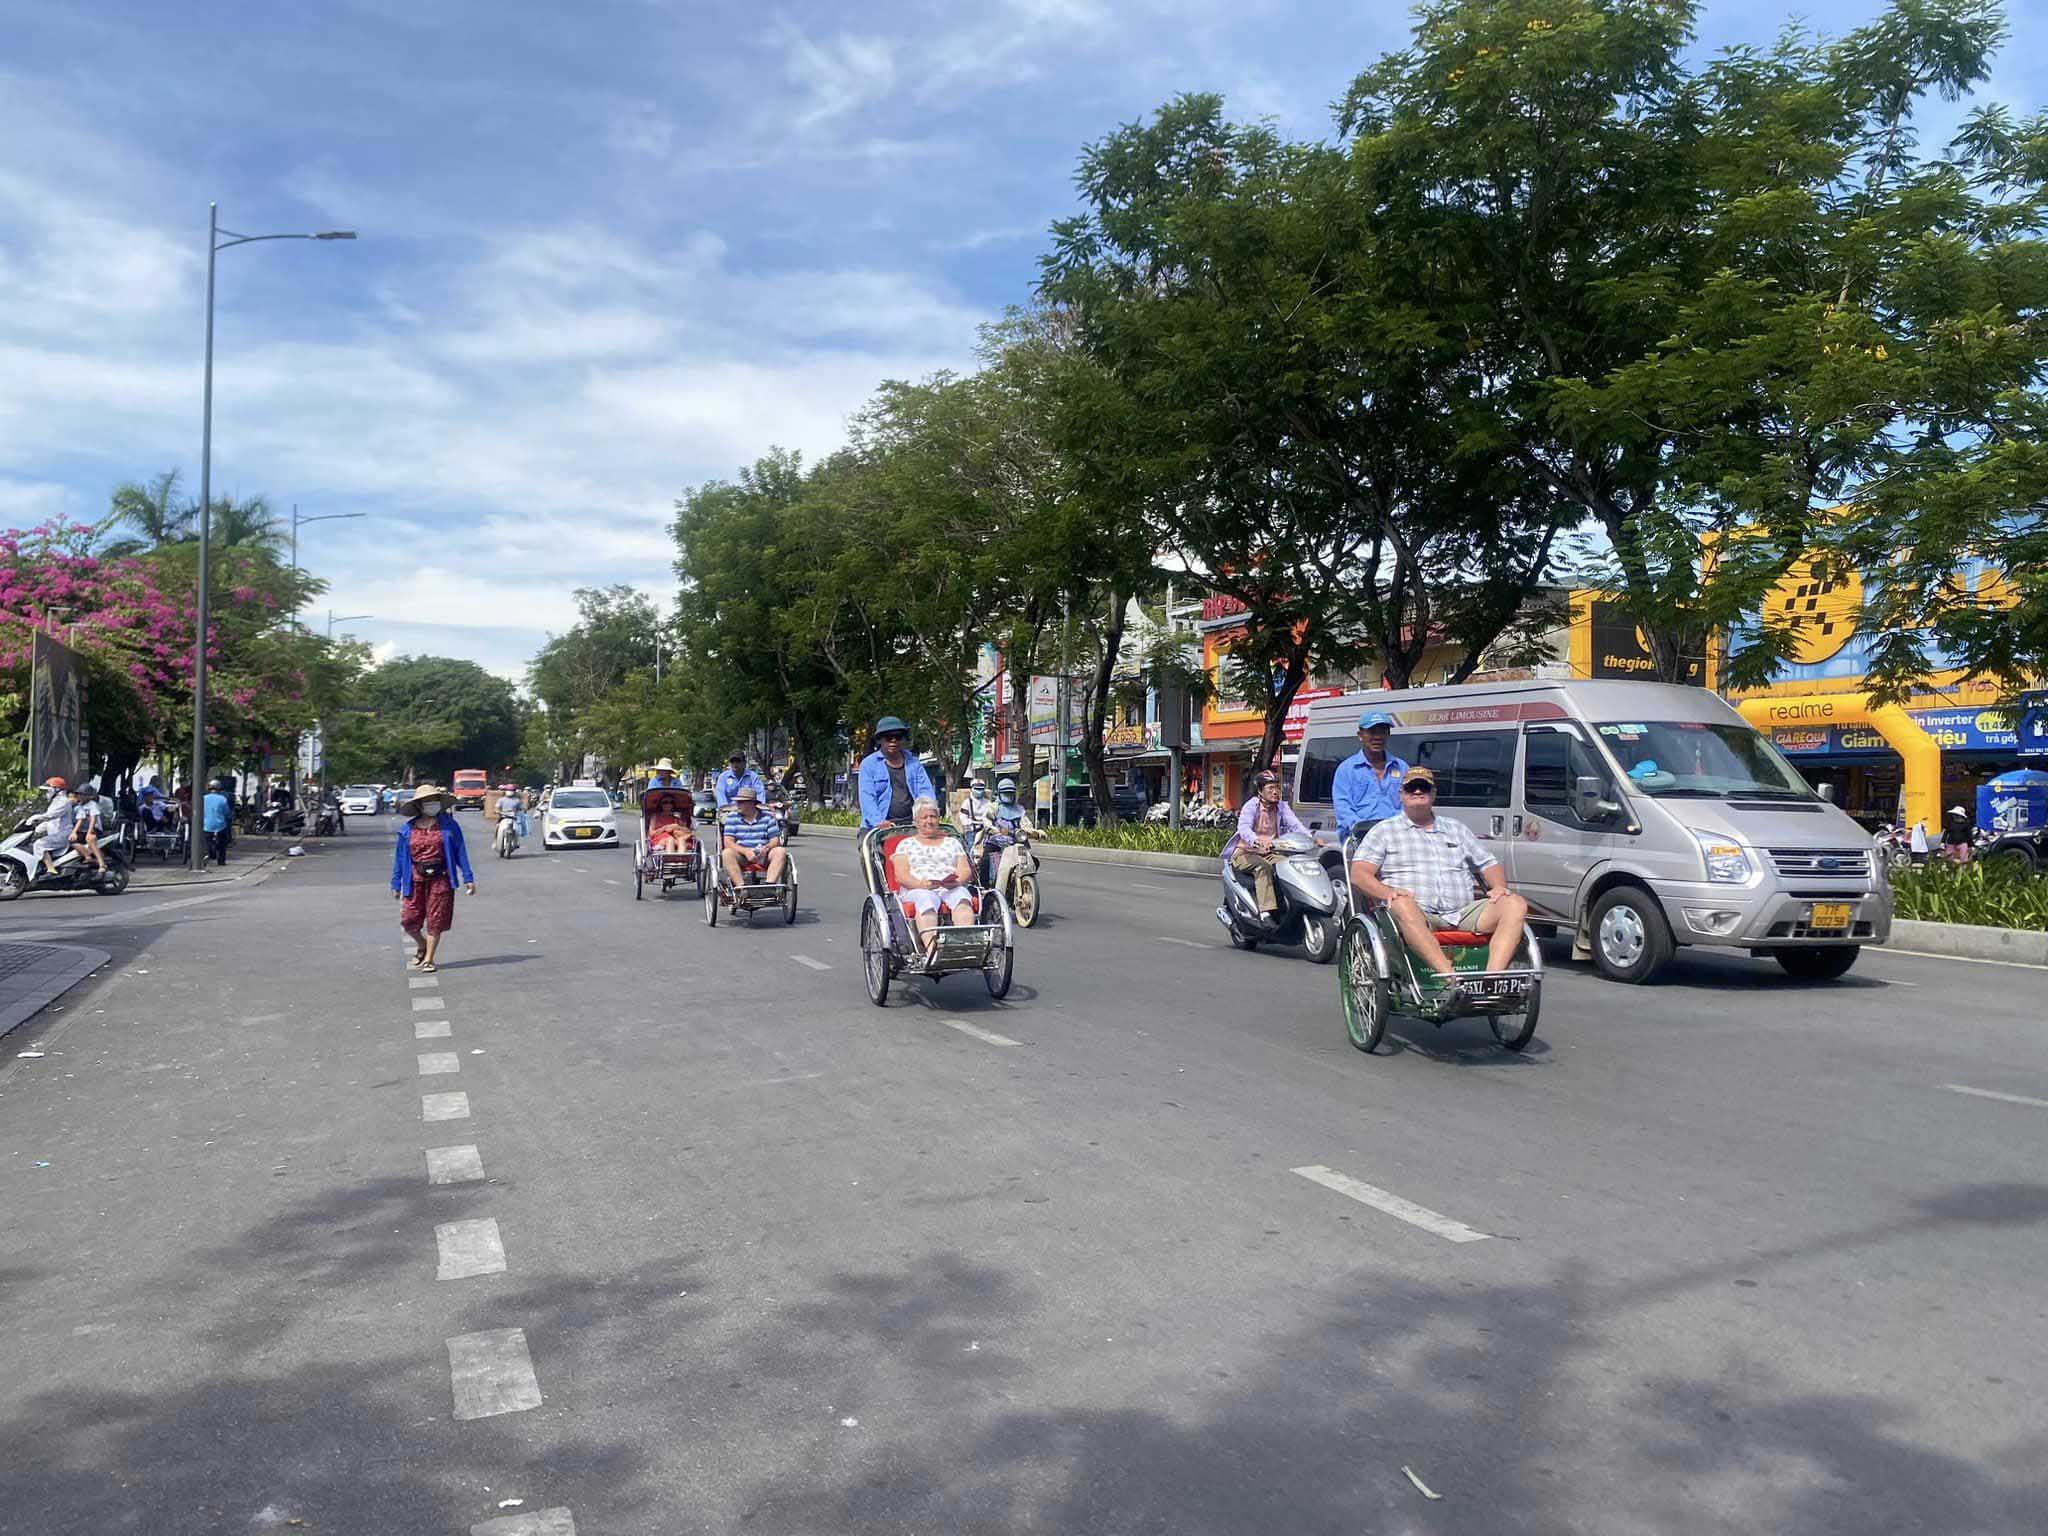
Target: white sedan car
column 579, row 817
column 359, row 800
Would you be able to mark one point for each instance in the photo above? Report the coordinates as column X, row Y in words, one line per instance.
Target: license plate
column 1832, row 916
column 583, row 831
column 1495, row 986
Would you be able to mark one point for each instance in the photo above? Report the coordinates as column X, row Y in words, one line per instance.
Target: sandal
column 427, row 967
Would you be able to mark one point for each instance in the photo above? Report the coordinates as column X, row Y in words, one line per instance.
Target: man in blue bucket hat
column 1368, row 783
column 891, row 780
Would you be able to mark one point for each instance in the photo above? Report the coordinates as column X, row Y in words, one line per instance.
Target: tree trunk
column 1292, row 676
column 1097, row 717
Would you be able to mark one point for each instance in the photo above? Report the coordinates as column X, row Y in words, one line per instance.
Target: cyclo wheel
column 1026, row 904
column 996, row 968
column 1515, row 1032
column 639, row 879
column 789, row 905
column 874, row 956
column 710, row 893
column 1365, row 992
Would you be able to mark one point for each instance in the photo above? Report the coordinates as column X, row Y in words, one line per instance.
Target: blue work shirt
column 1359, row 794
column 730, row 784
column 452, row 848
column 874, row 786
column 214, row 812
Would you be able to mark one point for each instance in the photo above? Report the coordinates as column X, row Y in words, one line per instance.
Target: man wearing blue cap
column 1368, row 783
column 891, row 780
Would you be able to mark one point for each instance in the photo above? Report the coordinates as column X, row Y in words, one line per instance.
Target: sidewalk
column 245, row 861
column 32, row 976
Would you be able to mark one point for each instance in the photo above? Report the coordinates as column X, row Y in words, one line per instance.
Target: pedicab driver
column 1422, row 866
column 891, row 780
column 736, row 773
column 1367, row 787
column 753, row 839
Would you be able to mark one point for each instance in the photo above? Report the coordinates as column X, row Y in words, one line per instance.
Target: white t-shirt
column 933, row 861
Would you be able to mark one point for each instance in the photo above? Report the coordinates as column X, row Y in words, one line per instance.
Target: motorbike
column 1015, row 874
column 21, row 867
column 1312, row 907
column 507, row 840
column 327, row 820
column 787, row 810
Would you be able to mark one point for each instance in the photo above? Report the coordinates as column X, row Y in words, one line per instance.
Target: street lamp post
column 299, row 522
column 346, row 618
column 214, row 246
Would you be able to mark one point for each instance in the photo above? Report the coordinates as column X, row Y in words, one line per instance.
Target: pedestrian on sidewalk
column 217, row 819
column 429, row 856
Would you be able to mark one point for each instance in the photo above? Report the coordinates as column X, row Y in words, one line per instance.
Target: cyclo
column 889, row 944
column 753, row 891
column 1378, row 975
column 667, row 853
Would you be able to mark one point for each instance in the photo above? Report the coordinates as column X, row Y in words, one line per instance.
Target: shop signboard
column 1045, row 711
column 1295, row 726
column 1620, row 650
column 1954, row 730
column 56, row 711
column 2031, row 734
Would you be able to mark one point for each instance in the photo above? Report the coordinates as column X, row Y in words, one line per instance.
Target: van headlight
column 1727, row 860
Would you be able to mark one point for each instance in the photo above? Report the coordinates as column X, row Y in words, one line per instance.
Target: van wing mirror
column 1827, row 793
column 1589, row 803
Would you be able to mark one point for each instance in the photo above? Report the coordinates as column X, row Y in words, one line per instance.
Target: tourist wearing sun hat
column 429, row 856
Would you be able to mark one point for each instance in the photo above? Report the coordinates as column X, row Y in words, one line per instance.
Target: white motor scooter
column 1016, row 877
column 1311, row 905
column 21, row 866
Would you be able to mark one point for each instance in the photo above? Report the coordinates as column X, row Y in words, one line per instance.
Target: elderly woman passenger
column 932, row 871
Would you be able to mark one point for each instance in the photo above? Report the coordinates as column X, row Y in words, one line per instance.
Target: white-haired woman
column 931, row 872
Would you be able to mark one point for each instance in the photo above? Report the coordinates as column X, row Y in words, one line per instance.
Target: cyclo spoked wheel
column 1515, row 1031
column 1026, row 905
column 710, row 903
column 789, row 905
column 995, row 970
column 874, row 956
column 1364, row 991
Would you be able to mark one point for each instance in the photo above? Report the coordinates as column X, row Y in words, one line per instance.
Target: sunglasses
column 893, row 736
column 1418, row 789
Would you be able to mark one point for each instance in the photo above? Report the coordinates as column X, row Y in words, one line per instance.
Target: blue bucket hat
column 1373, row 717
column 888, row 724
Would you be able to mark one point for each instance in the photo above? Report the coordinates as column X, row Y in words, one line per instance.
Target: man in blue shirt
column 214, row 823
column 737, row 773
column 891, row 780
column 752, row 839
column 1368, row 783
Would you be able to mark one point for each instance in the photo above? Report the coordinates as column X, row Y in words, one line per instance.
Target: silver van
column 1635, row 816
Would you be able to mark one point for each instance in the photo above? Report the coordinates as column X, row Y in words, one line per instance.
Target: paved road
column 780, row 1261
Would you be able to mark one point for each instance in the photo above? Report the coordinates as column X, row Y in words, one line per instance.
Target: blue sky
column 608, row 250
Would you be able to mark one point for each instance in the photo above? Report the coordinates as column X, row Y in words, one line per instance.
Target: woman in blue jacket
column 430, row 854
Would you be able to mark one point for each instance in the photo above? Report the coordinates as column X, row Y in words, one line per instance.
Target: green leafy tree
column 146, row 517
column 418, row 700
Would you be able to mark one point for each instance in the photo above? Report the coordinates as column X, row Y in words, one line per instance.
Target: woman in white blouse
column 932, row 871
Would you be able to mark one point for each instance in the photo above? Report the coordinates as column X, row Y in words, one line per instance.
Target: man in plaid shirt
column 1423, row 865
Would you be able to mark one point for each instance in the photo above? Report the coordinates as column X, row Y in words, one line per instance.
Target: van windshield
column 1672, row 759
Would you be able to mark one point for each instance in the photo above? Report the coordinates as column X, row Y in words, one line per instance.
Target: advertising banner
column 2032, row 731
column 1044, row 706
column 1619, row 649
column 56, row 712
column 1295, row 726
column 1954, row 730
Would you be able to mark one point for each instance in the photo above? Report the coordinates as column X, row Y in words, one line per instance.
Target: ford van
column 1637, row 817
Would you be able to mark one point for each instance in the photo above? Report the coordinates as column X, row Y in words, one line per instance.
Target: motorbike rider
column 1006, row 822
column 53, row 827
column 1264, row 820
column 727, row 786
column 1367, row 787
column 752, row 839
column 891, row 780
column 85, row 826
column 509, row 811
column 1422, row 866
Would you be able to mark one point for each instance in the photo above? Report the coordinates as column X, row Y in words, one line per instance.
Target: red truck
column 471, row 787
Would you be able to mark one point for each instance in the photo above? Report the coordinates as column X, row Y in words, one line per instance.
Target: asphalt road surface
column 711, row 1244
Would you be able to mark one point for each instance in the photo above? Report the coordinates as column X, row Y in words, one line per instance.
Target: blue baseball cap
column 1374, row 717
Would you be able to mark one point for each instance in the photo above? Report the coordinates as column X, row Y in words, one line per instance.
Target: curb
column 254, row 865
column 48, row 975
column 1964, row 941
column 1060, row 853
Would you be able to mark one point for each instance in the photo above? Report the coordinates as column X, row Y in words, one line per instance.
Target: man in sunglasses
column 1422, row 866
column 891, row 780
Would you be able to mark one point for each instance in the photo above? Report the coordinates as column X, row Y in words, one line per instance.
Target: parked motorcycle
column 21, row 867
column 1311, row 905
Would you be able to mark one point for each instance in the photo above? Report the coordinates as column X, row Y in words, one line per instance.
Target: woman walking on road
column 429, row 856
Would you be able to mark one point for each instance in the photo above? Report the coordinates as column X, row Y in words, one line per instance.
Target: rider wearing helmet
column 1004, row 822
column 891, row 780
column 727, row 787
column 1264, row 820
column 53, row 827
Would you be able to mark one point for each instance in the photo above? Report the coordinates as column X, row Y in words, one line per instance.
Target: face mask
column 430, row 807
column 980, row 793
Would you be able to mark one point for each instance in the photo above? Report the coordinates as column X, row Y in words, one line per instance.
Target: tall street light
column 346, row 618
column 214, row 246
column 299, row 522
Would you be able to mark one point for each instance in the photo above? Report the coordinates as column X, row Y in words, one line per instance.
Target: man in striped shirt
column 752, row 839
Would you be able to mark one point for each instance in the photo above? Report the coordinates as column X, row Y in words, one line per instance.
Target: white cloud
column 837, row 76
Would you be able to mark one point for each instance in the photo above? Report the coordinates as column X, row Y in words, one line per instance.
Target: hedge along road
column 1148, row 1244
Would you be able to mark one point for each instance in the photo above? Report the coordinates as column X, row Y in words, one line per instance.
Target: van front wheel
column 1631, row 940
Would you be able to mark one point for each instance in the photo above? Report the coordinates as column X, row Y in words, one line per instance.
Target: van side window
column 1320, row 756
column 1553, row 762
column 1471, row 767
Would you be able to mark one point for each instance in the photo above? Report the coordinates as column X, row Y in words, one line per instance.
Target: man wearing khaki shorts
column 1423, row 865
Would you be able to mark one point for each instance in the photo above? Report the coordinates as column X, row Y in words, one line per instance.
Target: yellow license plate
column 592, row 832
column 1831, row 915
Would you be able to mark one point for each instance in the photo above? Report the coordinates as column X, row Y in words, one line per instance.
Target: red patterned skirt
column 431, row 905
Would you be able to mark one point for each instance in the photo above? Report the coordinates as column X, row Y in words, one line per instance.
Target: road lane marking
column 454, row 1165
column 608, row 880
column 492, row 1373
column 429, row 1004
column 1138, row 886
column 1392, row 1204
column 434, row 1063
column 580, row 869
column 1184, row 943
column 840, row 874
column 444, row 1106
column 816, row 965
column 422, row 983
column 989, row 1035
column 2003, row 1098
column 469, row 1248
column 430, row 1029
column 544, row 1522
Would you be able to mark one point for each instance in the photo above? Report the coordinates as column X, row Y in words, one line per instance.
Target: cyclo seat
column 1458, row 936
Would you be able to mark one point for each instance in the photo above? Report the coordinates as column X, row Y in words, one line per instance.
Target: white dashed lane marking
column 1138, row 886
column 2003, row 1098
column 608, row 880
column 429, row 1004
column 469, row 1248
column 544, row 1522
column 422, row 983
column 806, row 960
column 1393, row 1205
column 1184, row 943
column 434, row 1063
column 430, row 1029
column 492, row 1373
column 454, row 1165
column 978, row 1032
column 444, row 1106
